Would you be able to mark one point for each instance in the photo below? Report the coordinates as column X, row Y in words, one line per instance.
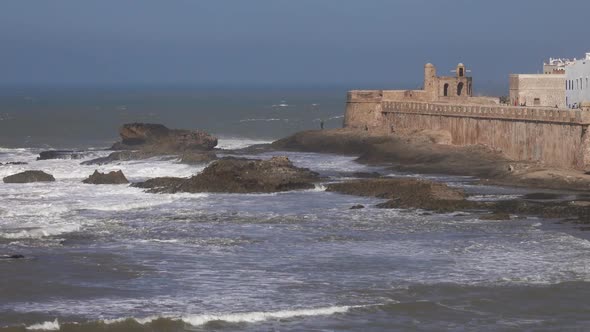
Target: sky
column 352, row 43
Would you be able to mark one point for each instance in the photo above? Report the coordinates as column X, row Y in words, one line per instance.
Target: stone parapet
column 364, row 96
column 501, row 112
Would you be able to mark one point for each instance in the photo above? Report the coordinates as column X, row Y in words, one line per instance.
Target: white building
column 556, row 66
column 577, row 82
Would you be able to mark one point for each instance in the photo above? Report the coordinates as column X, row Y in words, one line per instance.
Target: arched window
column 446, row 90
column 461, row 73
column 459, row 88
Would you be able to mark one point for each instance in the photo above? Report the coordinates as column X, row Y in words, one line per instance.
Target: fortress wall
column 364, row 110
column 553, row 136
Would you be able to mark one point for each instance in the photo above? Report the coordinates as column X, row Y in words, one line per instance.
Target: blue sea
column 114, row 258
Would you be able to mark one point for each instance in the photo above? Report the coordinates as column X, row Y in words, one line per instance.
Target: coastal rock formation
column 197, row 157
column 406, row 193
column 114, row 177
column 12, row 256
column 28, row 177
column 159, row 137
column 61, row 154
column 146, row 140
column 11, row 163
column 233, row 175
column 187, row 157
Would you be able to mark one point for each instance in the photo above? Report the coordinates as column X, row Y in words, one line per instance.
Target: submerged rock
column 406, row 193
column 14, row 256
column 28, row 177
column 114, row 177
column 233, row 175
column 357, row 207
column 11, row 163
column 61, row 154
column 496, row 216
column 192, row 157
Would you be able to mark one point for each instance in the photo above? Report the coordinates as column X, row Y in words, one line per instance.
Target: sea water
column 114, row 258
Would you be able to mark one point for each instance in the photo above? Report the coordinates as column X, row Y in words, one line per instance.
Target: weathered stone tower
column 430, row 81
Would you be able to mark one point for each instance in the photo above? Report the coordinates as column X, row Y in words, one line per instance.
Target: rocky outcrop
column 12, row 256
column 197, row 157
column 406, row 193
column 28, row 177
column 114, row 177
column 61, row 154
column 146, row 140
column 159, row 137
column 233, row 175
column 14, row 163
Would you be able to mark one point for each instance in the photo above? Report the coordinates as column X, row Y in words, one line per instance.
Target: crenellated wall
column 554, row 136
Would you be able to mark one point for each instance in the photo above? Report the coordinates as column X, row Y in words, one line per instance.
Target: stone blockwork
column 554, row 136
column 537, row 90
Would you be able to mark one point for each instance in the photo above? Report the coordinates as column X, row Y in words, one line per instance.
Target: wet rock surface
column 12, row 256
column 496, row 216
column 14, row 163
column 234, row 175
column 134, row 135
column 61, row 154
column 114, row 177
column 29, row 177
column 145, row 140
column 407, row 193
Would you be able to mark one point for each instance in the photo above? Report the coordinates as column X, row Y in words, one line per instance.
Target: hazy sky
column 356, row 43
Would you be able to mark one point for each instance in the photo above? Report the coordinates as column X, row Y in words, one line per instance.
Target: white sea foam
column 45, row 326
column 255, row 317
column 245, row 317
column 40, row 232
column 230, row 143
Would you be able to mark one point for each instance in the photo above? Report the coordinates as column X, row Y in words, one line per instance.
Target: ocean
column 114, row 258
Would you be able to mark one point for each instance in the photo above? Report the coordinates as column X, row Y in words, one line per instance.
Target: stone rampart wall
column 556, row 137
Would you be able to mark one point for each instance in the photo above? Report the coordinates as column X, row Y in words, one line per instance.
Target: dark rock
column 407, row 193
column 145, row 140
column 366, row 175
column 16, row 256
column 10, row 163
column 61, row 154
column 496, row 216
column 115, row 156
column 142, row 133
column 357, row 207
column 136, row 135
column 361, row 175
column 107, row 178
column 192, row 157
column 164, row 184
column 233, row 175
column 187, row 157
column 28, row 177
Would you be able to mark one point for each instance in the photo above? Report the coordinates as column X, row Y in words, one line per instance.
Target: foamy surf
column 244, row 317
column 45, row 326
column 232, row 143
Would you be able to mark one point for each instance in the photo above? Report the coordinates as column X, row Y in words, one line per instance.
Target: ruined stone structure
column 555, row 136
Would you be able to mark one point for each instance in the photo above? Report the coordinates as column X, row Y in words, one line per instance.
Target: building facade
column 577, row 84
column 539, row 90
column 556, row 66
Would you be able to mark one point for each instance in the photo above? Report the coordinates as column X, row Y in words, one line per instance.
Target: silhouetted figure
column 322, row 124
